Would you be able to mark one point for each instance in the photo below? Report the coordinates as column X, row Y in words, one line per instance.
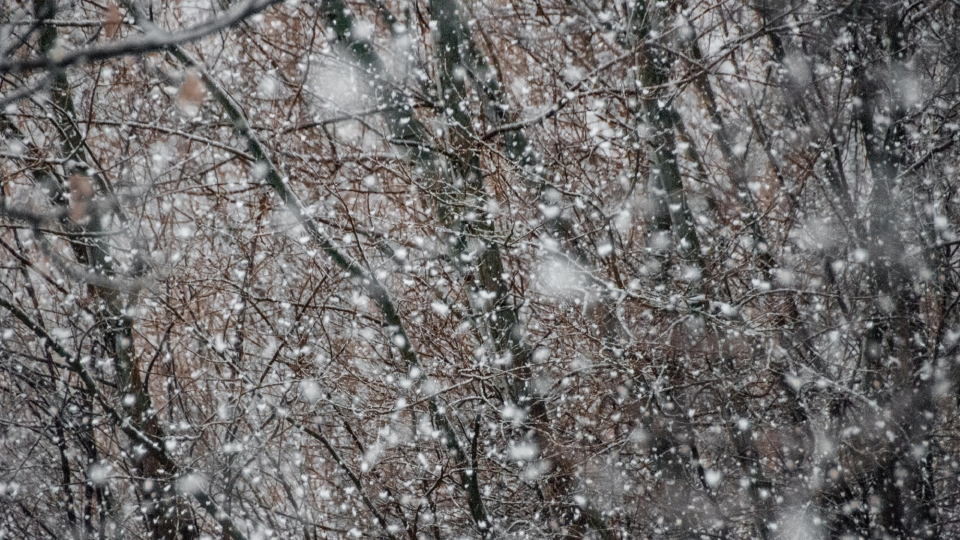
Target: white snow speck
column 310, row 391
column 525, row 451
column 99, row 474
column 713, row 477
column 191, row 483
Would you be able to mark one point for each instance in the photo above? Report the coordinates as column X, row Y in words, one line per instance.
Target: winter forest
column 479, row 269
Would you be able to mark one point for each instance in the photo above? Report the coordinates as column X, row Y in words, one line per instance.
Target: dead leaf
column 81, row 194
column 111, row 25
column 190, row 96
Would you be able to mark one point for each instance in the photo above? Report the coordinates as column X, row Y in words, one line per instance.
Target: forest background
column 461, row 269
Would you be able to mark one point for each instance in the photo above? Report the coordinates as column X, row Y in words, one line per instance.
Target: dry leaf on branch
column 190, row 96
column 113, row 21
column 81, row 194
